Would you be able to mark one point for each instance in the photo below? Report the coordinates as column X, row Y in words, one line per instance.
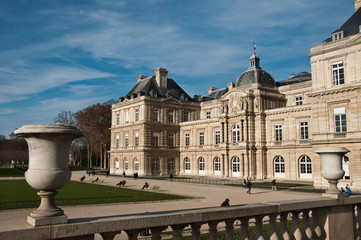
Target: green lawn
column 11, row 172
column 18, row 194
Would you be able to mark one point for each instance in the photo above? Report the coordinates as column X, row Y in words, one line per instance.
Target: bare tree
column 65, row 118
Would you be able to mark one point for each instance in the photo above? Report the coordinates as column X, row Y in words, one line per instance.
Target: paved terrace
column 204, row 196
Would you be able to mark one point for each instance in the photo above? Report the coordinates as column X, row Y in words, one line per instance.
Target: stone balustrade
column 321, row 218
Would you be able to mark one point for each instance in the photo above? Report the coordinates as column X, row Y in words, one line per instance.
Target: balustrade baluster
column 357, row 221
column 229, row 229
column 283, row 228
column 318, row 231
column 177, row 231
column 212, row 230
column 272, row 233
column 244, row 229
column 306, row 229
column 296, row 230
column 258, row 234
column 196, row 230
column 109, row 235
column 157, row 232
column 133, row 234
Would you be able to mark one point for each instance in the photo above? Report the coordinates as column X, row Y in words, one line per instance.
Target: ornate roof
column 149, row 86
column 255, row 74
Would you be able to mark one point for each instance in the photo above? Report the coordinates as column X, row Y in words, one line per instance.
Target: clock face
column 234, row 102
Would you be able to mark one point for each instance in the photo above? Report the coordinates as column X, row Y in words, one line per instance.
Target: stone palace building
column 255, row 127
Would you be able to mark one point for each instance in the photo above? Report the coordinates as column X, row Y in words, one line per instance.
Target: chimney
column 211, row 89
column 161, row 77
column 357, row 5
column 140, row 77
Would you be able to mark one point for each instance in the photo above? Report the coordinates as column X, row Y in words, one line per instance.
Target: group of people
column 247, row 184
column 348, row 190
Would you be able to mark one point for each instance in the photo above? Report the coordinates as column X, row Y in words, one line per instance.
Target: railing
column 321, row 218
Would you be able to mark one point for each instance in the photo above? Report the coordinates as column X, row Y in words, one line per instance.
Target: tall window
column 201, row 164
column 340, row 119
column 235, row 167
column 305, row 165
column 208, row 114
column 279, row 166
column 118, row 118
column 217, row 164
column 346, row 167
column 278, row 132
column 116, row 163
column 201, row 138
column 155, row 139
column 338, row 77
column 126, row 140
column 171, row 116
column 171, row 140
column 235, row 133
column 155, row 164
column 155, row 115
column 117, row 141
column 171, row 164
column 187, row 139
column 136, row 164
column 304, row 130
column 218, row 137
column 185, row 116
column 187, row 164
column 126, row 116
column 137, row 115
column 136, row 139
column 126, row 164
column 298, row 100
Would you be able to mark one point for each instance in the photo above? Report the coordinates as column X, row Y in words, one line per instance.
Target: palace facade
column 255, row 127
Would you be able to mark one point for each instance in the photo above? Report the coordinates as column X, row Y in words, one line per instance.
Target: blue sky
column 62, row 55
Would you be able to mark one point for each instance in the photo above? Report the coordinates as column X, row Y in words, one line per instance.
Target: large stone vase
column 331, row 160
column 48, row 170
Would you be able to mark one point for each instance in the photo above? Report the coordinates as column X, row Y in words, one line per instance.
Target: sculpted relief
column 236, row 103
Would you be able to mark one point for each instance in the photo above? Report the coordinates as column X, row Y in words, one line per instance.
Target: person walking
column 249, row 186
column 274, row 188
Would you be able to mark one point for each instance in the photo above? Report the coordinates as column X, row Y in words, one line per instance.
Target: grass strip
column 18, row 194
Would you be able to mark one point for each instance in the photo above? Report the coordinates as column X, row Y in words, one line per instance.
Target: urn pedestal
column 48, row 170
column 331, row 161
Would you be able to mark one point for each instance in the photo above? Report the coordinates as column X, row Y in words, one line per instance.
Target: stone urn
column 331, row 160
column 48, row 170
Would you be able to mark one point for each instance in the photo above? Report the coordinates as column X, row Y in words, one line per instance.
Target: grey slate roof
column 350, row 27
column 256, row 75
column 149, row 84
column 301, row 77
column 217, row 94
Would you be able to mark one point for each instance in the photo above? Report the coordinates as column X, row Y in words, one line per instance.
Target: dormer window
column 337, row 36
column 359, row 28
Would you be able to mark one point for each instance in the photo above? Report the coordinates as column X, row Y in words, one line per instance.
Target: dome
column 255, row 74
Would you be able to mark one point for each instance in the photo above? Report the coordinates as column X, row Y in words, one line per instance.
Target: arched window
column 136, row 164
column 305, row 166
column 155, row 164
column 126, row 164
column 171, row 164
column 345, row 167
column 201, row 165
column 279, row 167
column 217, row 166
column 187, row 165
column 116, row 163
column 236, row 167
column 235, row 133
